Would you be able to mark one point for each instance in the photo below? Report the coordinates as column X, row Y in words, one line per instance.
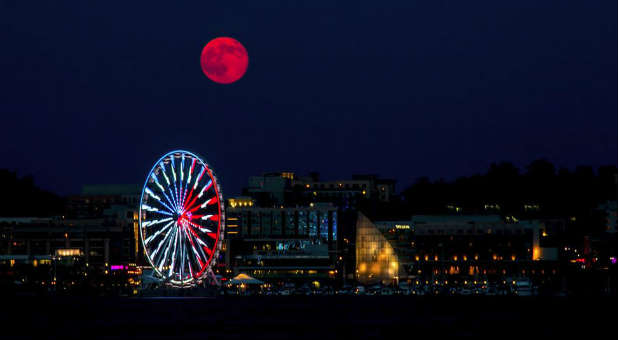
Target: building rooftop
column 445, row 219
column 112, row 189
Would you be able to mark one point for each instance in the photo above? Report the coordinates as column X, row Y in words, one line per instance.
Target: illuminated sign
column 402, row 226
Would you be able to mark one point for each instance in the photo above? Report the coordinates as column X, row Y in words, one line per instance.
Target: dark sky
column 95, row 93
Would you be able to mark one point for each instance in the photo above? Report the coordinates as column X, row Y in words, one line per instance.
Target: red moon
column 224, row 60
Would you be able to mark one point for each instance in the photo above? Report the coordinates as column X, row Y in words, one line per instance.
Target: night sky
column 96, row 93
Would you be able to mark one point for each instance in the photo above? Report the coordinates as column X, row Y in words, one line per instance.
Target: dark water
column 317, row 318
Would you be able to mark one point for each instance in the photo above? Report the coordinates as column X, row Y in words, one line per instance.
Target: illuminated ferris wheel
column 181, row 218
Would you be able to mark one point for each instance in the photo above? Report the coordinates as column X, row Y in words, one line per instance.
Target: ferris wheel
column 181, row 218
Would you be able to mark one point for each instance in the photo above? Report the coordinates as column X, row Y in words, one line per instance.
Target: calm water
column 314, row 318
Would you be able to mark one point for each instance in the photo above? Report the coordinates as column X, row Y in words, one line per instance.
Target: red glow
column 224, row 60
column 190, row 206
column 195, row 225
column 184, row 206
column 193, row 245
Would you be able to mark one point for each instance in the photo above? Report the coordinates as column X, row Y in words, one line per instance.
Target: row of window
column 339, row 185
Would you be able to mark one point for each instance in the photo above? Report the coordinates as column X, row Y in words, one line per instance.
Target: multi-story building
column 272, row 189
column 95, row 199
column 285, row 188
column 99, row 234
column 65, row 253
column 427, row 247
column 347, row 193
column 31, row 237
column 282, row 244
column 110, row 205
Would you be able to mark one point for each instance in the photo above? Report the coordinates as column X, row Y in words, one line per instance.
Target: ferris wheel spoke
column 210, row 201
column 182, row 167
column 156, row 180
column 186, row 254
column 190, row 270
column 178, row 187
column 190, row 206
column 165, row 239
column 182, row 254
column 174, row 185
column 190, row 234
column 155, row 210
column 153, row 195
column 173, row 166
column 169, row 186
column 165, row 254
column 197, row 180
column 173, row 195
column 177, row 190
column 201, row 246
column 206, row 187
column 206, row 217
column 185, row 205
column 153, row 236
column 162, row 165
column 199, row 227
column 204, row 246
column 183, row 193
column 153, row 222
column 171, row 202
column 182, row 175
column 164, row 205
column 163, row 212
column 168, row 244
column 191, row 170
column 199, row 177
column 171, row 269
column 184, row 199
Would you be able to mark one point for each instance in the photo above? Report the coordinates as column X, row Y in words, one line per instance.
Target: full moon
column 224, row 60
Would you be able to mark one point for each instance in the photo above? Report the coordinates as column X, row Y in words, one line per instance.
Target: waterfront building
column 427, row 248
column 97, row 238
column 282, row 244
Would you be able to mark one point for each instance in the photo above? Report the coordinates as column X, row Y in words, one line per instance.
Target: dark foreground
column 316, row 318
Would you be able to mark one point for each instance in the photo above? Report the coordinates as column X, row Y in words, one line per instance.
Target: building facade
column 427, row 248
column 282, row 244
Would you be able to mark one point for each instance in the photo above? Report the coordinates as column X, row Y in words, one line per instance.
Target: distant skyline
column 96, row 93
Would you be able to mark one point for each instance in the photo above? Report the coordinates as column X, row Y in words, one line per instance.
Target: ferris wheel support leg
column 213, row 278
